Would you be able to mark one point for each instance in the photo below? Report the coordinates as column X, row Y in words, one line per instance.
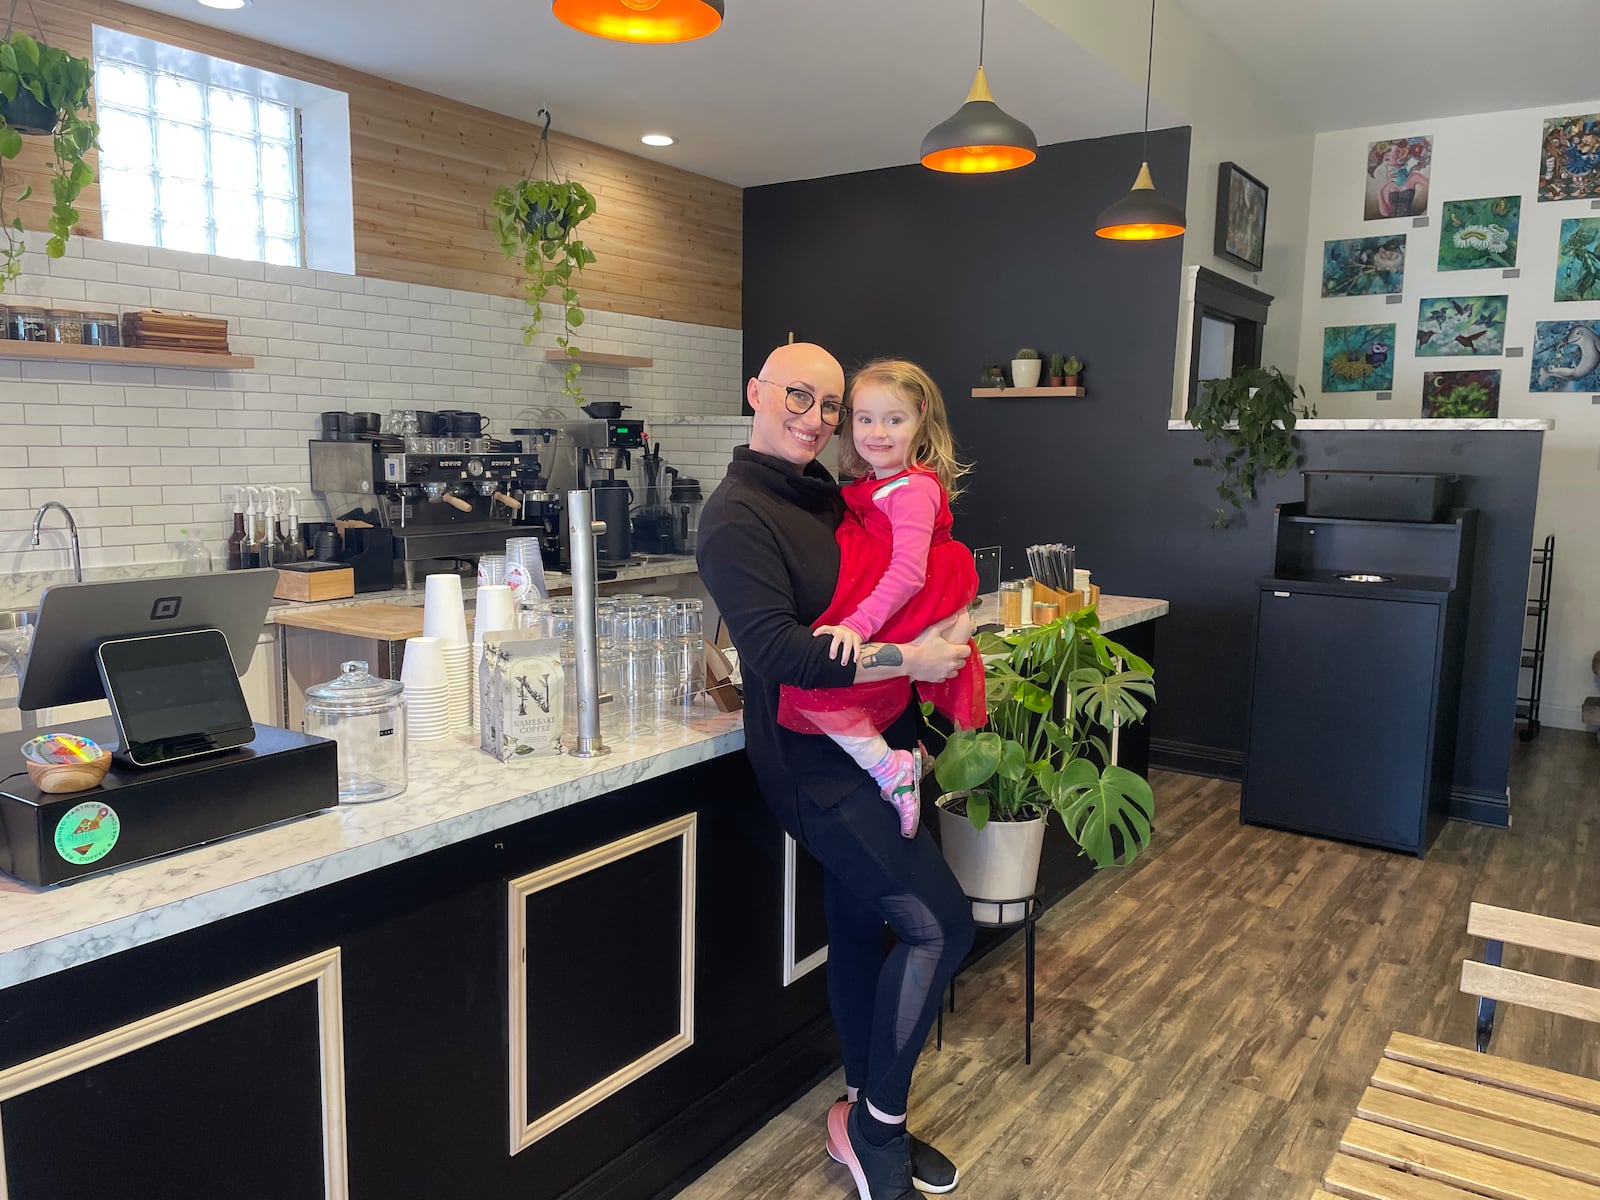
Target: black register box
column 139, row 813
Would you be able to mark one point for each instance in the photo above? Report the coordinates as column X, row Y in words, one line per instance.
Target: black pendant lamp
column 1144, row 214
column 981, row 137
column 641, row 20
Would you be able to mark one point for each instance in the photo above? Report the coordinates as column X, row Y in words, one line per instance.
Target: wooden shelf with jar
column 993, row 393
column 131, row 356
column 596, row 358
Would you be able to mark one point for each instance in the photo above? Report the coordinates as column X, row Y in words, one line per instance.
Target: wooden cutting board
column 383, row 622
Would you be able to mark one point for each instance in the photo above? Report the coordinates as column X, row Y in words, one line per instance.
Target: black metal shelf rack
column 1538, row 611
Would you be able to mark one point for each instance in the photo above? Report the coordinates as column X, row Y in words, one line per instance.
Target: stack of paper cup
column 427, row 690
column 444, row 616
column 495, row 610
column 525, row 570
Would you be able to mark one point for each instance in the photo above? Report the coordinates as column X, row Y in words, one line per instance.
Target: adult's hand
column 933, row 656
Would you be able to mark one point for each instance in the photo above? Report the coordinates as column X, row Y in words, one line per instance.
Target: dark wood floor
column 1208, row 1017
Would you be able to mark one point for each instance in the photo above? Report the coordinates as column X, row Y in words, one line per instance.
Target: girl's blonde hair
column 934, row 447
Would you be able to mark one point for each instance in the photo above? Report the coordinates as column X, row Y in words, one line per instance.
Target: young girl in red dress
column 899, row 572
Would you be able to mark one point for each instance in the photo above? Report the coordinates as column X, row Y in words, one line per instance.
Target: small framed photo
column 1241, row 217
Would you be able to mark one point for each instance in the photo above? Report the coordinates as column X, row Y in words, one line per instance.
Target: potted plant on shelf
column 1051, row 692
column 1057, row 370
column 1072, row 371
column 44, row 92
column 1252, row 415
column 1025, row 366
column 994, row 376
column 536, row 220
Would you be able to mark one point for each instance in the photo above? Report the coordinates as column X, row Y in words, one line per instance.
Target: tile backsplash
column 140, row 453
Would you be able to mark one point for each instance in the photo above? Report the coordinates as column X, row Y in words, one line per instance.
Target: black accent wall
column 959, row 272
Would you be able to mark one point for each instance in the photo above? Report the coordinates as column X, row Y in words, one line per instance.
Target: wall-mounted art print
column 1569, row 158
column 1397, row 177
column 1461, row 325
column 1476, row 234
column 1578, row 259
column 1241, row 234
column 1358, row 358
column 1566, row 356
column 1374, row 266
column 1460, row 394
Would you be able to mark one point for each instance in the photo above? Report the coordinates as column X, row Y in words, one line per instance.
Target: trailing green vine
column 1252, row 414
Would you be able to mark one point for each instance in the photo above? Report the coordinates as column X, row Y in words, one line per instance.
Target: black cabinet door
column 1342, row 716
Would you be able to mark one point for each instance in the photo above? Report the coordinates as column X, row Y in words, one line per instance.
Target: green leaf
column 1110, row 817
column 969, row 760
column 978, row 810
column 10, row 143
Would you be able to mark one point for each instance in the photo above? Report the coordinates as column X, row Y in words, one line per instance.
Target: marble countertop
column 456, row 792
column 1420, row 424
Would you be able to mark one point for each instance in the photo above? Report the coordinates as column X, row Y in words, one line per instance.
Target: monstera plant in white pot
column 1052, row 693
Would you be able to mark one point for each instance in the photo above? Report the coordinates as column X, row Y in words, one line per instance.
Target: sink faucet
column 72, row 529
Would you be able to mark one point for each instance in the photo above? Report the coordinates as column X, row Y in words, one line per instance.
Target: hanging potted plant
column 43, row 92
column 1252, row 415
column 536, row 220
column 1051, row 691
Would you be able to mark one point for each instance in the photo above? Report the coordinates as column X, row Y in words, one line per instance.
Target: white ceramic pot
column 998, row 862
column 1025, row 372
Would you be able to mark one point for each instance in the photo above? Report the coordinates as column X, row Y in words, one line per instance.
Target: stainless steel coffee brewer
column 439, row 497
column 585, row 455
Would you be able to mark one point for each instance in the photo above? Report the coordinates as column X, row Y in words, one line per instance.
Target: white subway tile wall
column 139, row 453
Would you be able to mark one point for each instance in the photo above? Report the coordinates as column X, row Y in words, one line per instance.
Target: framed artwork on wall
column 1241, row 217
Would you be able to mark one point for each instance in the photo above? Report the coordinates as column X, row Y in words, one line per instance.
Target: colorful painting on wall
column 1566, row 356
column 1461, row 325
column 1397, row 177
column 1460, row 394
column 1479, row 233
column 1569, row 158
column 1578, row 259
column 1358, row 358
column 1373, row 266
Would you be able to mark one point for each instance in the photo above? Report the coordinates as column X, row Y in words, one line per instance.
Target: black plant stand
column 1544, row 562
column 1028, row 921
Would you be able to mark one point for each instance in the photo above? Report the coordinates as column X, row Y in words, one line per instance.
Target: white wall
column 138, row 452
column 1233, row 117
column 1487, row 154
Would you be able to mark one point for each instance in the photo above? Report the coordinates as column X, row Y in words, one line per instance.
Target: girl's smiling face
column 883, row 425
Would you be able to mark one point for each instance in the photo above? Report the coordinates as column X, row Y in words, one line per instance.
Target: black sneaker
column 931, row 1171
column 880, row 1172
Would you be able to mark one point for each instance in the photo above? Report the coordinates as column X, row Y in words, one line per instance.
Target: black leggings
column 883, row 1004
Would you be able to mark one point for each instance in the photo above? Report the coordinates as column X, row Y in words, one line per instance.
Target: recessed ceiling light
column 658, row 139
column 229, row 4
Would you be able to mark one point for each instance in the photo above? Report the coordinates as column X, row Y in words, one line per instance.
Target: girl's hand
column 843, row 638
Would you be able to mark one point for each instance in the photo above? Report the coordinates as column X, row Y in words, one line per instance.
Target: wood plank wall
column 667, row 243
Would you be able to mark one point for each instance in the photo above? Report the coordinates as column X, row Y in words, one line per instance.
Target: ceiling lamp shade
column 981, row 137
column 641, row 20
column 1144, row 214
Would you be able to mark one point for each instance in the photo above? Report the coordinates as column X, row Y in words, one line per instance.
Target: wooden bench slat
column 1536, row 991
column 1360, row 1179
column 1487, row 1100
column 1534, row 1147
column 1530, row 929
column 1571, row 1090
column 1466, row 1169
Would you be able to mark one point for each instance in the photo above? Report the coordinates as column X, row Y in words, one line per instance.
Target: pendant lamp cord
column 983, row 10
column 1149, row 68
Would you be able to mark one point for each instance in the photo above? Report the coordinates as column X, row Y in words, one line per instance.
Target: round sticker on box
column 87, row 833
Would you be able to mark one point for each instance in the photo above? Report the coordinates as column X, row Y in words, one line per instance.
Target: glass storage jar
column 101, row 329
column 367, row 717
column 26, row 324
column 64, row 325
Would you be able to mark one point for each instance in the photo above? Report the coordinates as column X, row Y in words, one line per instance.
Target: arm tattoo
column 887, row 655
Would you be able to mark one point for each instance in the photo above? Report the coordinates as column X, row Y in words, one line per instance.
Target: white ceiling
column 794, row 89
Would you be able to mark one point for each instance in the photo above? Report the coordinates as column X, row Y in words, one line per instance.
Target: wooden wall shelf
column 593, row 358
column 130, row 356
column 1033, row 391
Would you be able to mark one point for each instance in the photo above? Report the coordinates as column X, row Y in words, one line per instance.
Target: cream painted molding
column 792, row 970
column 526, row 1131
column 320, row 969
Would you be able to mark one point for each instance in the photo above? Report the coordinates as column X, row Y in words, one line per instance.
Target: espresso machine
column 438, row 497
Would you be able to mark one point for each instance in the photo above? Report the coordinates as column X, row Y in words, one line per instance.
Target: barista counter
column 551, row 978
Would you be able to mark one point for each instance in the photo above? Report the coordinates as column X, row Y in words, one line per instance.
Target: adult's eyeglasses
column 799, row 402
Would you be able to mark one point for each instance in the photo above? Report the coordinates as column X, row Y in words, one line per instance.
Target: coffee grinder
column 613, row 499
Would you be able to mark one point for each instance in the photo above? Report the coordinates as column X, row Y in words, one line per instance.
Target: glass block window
column 191, row 164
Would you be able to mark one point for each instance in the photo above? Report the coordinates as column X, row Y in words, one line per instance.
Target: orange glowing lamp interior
column 975, row 160
column 639, row 20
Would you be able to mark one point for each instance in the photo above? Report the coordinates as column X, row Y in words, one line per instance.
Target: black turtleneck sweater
column 767, row 554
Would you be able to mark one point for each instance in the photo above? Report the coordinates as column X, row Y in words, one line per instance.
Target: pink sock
column 885, row 769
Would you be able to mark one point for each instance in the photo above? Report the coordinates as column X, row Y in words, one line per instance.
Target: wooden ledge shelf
column 129, row 356
column 593, row 358
column 988, row 393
